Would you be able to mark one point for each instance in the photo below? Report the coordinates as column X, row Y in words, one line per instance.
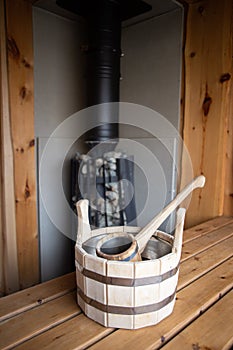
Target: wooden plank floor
column 47, row 316
column 31, row 297
column 217, row 332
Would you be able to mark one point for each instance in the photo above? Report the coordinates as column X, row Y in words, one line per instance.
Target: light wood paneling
column 20, row 70
column 2, row 283
column 9, row 262
column 208, row 76
column 228, row 199
column 207, row 127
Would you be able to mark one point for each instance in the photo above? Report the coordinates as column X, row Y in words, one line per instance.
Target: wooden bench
column 47, row 316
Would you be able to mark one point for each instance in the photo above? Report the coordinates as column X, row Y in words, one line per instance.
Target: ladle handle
column 84, row 229
column 145, row 234
column 178, row 235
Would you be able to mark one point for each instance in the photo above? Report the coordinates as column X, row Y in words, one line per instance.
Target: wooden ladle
column 125, row 247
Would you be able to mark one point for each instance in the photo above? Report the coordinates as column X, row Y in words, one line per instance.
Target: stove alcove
column 151, row 77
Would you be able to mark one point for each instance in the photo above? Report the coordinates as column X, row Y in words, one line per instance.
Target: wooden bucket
column 130, row 294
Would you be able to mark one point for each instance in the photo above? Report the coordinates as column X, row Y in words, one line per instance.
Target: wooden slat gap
column 105, row 336
column 32, row 306
column 203, row 232
column 191, row 280
column 37, row 300
column 203, row 263
column 35, row 332
column 169, row 344
column 205, row 248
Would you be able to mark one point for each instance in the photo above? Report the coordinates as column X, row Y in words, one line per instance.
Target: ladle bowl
column 118, row 246
column 159, row 245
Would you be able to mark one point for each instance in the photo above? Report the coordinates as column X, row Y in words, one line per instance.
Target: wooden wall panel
column 9, row 279
column 2, row 282
column 20, row 70
column 208, row 77
column 228, row 199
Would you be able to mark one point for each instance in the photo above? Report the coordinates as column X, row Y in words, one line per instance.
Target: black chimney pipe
column 103, row 66
column 104, row 19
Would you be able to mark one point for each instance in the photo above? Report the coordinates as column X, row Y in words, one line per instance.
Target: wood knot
column 224, row 77
column 196, row 346
column 23, row 92
column 27, row 192
column 32, row 143
column 26, row 63
column 192, row 54
column 162, row 339
column 21, row 149
column 206, row 104
column 13, row 48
